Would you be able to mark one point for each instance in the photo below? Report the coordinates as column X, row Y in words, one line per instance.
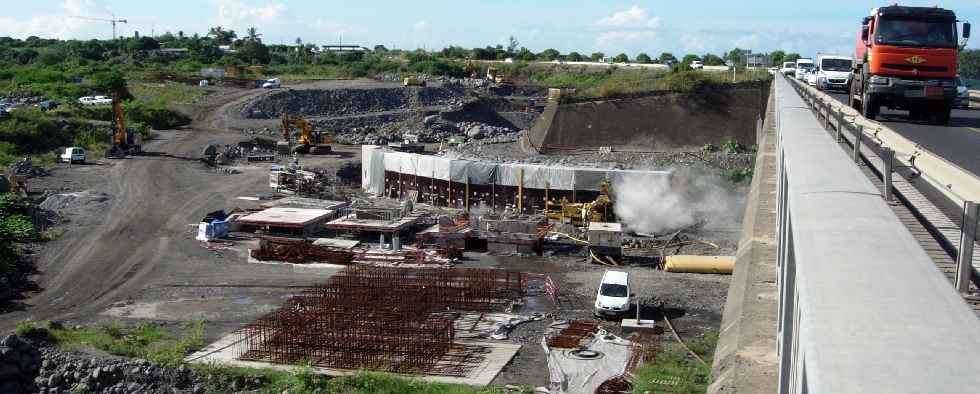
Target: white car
column 811, row 79
column 789, row 68
column 95, row 100
column 614, row 296
column 73, row 155
column 274, row 83
column 697, row 65
column 803, row 67
column 833, row 72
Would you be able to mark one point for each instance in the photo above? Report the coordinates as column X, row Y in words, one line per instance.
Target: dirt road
column 144, row 237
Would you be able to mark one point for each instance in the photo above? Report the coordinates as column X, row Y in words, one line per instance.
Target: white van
column 73, row 155
column 789, row 68
column 804, row 66
column 614, row 295
column 833, row 72
column 274, row 83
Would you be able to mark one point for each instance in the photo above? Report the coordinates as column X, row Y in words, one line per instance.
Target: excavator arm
column 305, row 141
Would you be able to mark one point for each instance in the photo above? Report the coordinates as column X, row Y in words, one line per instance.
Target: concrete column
column 382, row 244
column 964, row 259
column 888, row 157
column 396, row 241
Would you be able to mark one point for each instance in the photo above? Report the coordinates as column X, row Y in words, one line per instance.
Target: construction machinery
column 125, row 140
column 112, row 20
column 581, row 214
column 413, row 81
column 306, row 142
column 495, row 77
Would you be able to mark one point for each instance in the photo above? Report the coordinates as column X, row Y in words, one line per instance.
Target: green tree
column 690, row 58
column 712, row 60
column 512, row 45
column 110, row 82
column 574, row 57
column 666, row 57
column 222, row 36
column 970, row 64
column 549, row 54
column 253, row 52
column 597, row 56
column 252, row 34
column 621, row 58
column 525, row 54
column 643, row 58
column 776, row 57
column 791, row 57
column 380, row 49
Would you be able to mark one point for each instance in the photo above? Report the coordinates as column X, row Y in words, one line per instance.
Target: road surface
column 959, row 142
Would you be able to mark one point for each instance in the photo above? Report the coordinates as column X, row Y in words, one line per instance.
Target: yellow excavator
column 125, row 141
column 581, row 214
column 306, row 142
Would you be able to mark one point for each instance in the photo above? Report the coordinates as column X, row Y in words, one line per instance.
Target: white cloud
column 57, row 25
column 234, row 14
column 629, row 30
column 422, row 27
column 633, row 18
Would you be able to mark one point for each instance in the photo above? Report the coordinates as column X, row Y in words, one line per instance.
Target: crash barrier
column 862, row 307
column 887, row 151
column 461, row 183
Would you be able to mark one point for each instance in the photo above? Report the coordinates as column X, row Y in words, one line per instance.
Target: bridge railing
column 863, row 309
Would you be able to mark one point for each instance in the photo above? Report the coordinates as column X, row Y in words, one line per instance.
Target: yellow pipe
column 700, row 264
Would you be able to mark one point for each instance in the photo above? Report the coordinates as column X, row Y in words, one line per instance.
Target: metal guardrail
column 884, row 141
column 863, row 309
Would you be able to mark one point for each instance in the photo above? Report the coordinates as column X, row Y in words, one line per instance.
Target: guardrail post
column 826, row 117
column 888, row 157
column 964, row 259
column 857, row 144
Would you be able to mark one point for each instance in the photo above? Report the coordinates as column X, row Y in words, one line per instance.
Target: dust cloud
column 656, row 204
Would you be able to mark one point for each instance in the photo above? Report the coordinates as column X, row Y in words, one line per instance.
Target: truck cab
column 834, row 72
column 906, row 58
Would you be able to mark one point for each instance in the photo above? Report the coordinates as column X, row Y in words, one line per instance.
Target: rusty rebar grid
column 386, row 319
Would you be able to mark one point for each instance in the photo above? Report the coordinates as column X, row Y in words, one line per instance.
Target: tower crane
column 112, row 20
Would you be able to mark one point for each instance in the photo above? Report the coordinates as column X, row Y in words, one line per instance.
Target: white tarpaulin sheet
column 409, row 163
column 590, row 178
column 425, row 166
column 507, row 174
column 536, row 177
column 441, row 167
column 372, row 169
column 393, row 161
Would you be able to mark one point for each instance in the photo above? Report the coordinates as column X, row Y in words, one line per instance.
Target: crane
column 112, row 20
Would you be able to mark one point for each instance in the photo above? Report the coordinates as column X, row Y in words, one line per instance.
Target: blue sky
column 586, row 26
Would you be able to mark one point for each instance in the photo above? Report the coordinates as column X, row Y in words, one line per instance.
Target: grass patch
column 167, row 93
column 220, row 379
column 147, row 341
column 676, row 371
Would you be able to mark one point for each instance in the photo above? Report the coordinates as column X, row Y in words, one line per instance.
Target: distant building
column 754, row 60
column 344, row 48
column 168, row 52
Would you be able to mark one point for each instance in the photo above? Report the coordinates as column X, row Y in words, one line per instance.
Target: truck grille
column 905, row 67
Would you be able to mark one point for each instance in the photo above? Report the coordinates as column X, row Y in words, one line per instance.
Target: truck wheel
column 869, row 105
column 851, row 102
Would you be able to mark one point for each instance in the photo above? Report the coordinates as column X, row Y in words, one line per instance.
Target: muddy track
column 154, row 197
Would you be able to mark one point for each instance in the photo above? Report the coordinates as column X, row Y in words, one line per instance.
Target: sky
column 586, row 26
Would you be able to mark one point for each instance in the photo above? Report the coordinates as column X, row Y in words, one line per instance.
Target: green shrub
column 25, row 329
column 155, row 115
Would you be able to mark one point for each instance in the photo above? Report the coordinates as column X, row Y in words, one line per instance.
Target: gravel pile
column 65, row 372
column 346, row 102
column 26, row 167
column 19, row 363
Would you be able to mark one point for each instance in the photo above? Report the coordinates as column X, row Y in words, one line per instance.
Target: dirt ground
column 130, row 253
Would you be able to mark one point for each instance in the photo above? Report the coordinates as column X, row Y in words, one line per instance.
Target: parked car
column 271, row 83
column 789, row 68
column 834, row 72
column 614, row 296
column 95, row 100
column 697, row 65
column 962, row 94
column 46, row 105
column 73, row 154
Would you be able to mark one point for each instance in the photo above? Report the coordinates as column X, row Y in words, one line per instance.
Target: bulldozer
column 413, row 81
column 125, row 140
column 581, row 214
column 306, row 142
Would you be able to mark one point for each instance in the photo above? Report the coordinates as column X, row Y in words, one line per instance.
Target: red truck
column 906, row 59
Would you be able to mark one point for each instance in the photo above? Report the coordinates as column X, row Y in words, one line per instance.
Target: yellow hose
column 569, row 237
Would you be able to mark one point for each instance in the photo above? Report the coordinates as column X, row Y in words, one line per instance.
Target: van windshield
column 836, row 64
column 611, row 290
column 916, row 33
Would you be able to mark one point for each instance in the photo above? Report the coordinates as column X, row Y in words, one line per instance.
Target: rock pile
column 26, row 167
column 63, row 372
column 346, row 102
column 19, row 363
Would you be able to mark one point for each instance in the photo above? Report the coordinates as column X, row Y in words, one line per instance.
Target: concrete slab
column 286, row 217
column 224, row 351
column 633, row 325
column 336, row 243
column 351, row 222
column 312, row 268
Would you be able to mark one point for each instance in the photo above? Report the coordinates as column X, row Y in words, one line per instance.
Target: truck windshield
column 836, row 64
column 916, row 33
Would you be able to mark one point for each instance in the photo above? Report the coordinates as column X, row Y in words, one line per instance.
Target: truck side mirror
column 865, row 32
column 966, row 30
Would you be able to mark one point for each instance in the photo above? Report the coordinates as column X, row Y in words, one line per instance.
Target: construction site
column 457, row 231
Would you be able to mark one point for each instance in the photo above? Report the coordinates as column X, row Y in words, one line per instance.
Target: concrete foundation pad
column 224, row 351
column 633, row 325
column 313, row 268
